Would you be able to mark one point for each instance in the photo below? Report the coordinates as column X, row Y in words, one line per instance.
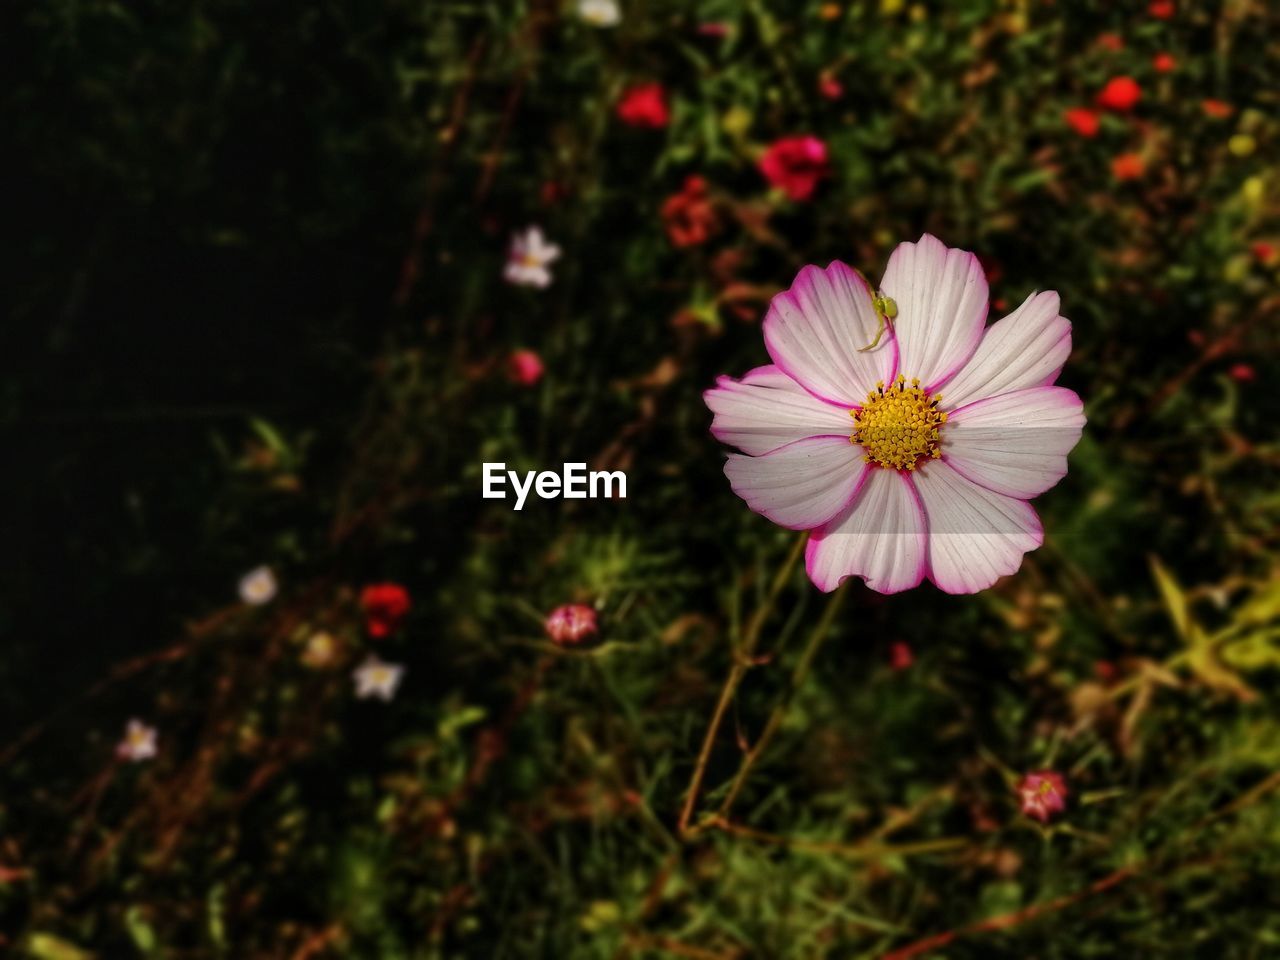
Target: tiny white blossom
column 258, row 586
column 529, row 258
column 376, row 678
column 600, row 13
column 139, row 742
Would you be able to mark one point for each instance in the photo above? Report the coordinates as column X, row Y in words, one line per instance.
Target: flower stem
column 741, row 660
column 834, row 602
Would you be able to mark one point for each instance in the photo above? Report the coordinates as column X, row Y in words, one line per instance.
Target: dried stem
column 798, row 676
column 741, row 660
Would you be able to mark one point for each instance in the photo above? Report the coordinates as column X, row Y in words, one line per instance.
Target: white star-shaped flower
column 376, row 678
column 139, row 742
column 529, row 258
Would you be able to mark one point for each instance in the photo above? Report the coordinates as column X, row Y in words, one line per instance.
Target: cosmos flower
column 384, row 606
column 139, row 742
column 320, row 651
column 529, row 258
column 376, row 678
column 258, row 586
column 644, row 105
column 599, row 13
column 571, row 624
column 689, row 216
column 1120, row 94
column 1043, row 794
column 1217, row 109
column 524, row 367
column 1082, row 120
column 911, row 447
column 795, row 165
column 1128, row 166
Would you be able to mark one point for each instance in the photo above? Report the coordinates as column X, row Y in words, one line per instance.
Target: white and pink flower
column 530, row 258
column 138, row 743
column 914, row 457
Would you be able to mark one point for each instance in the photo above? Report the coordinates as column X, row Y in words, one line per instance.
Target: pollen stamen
column 898, row 425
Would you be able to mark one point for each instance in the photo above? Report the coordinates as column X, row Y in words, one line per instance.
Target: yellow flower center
column 898, row 425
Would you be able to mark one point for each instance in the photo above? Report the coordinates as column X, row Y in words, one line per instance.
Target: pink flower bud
column 524, row 367
column 1043, row 794
column 571, row 624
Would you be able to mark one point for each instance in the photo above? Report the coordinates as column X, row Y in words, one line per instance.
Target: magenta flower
column 1043, row 794
column 794, row 165
column 913, row 457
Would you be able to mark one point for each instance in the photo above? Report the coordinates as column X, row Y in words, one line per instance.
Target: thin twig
column 798, row 676
column 741, row 659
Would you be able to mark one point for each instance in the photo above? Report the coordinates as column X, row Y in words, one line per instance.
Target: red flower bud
column 1120, row 94
column 644, row 106
column 524, row 367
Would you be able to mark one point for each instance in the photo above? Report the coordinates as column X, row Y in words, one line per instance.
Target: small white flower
column 529, row 258
column 600, row 13
column 258, row 586
column 139, row 742
column 376, row 678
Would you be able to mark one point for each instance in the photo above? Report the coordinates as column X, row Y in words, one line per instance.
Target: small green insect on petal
column 886, row 310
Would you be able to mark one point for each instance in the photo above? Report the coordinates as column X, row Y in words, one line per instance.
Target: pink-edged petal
column 1016, row 443
column 801, row 485
column 767, row 409
column 880, row 536
column 815, row 331
column 976, row 536
column 941, row 294
column 1025, row 349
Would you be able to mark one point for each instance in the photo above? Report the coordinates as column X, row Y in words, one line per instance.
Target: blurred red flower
column 900, row 655
column 795, row 165
column 829, row 86
column 571, row 624
column 1242, row 373
column 1217, row 109
column 1163, row 62
column 1082, row 120
column 644, row 105
column 1111, row 41
column 1161, row 9
column 384, row 606
column 1043, row 794
column 1264, row 252
column 1128, row 166
column 688, row 215
column 524, row 367
column 1120, row 93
